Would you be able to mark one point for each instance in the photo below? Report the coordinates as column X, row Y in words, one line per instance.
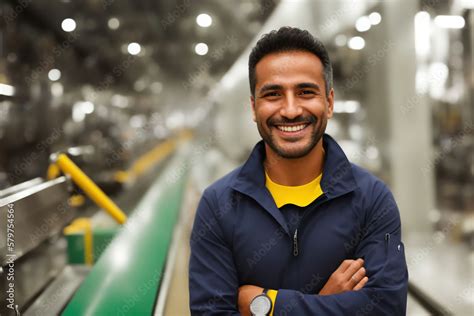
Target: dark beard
column 319, row 128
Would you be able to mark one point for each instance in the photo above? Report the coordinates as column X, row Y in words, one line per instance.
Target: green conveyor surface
column 126, row 278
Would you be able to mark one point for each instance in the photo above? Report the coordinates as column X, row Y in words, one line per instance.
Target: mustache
column 310, row 119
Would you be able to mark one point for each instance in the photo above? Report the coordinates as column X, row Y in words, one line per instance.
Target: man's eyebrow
column 270, row 86
column 308, row 85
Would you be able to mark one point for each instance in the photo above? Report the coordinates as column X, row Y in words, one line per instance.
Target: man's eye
column 271, row 94
column 307, row 92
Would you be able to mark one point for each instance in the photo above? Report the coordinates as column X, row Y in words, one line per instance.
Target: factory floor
column 177, row 300
column 443, row 269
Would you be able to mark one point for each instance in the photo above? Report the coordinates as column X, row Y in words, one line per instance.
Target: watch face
column 261, row 305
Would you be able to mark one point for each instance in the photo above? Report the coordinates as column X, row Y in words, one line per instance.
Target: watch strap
column 272, row 294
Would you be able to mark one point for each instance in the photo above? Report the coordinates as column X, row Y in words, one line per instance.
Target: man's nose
column 290, row 108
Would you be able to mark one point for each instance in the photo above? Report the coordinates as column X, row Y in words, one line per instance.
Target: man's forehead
column 286, row 59
column 289, row 68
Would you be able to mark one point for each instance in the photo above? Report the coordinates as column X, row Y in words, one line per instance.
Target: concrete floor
column 177, row 301
column 443, row 269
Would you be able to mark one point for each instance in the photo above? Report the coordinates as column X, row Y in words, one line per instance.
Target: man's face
column 290, row 105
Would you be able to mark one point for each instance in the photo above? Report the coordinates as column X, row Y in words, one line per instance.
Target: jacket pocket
column 395, row 268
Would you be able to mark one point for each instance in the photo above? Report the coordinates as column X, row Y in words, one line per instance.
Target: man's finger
column 358, row 276
column 361, row 284
column 353, row 268
column 344, row 265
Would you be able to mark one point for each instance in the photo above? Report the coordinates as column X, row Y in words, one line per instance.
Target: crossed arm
column 214, row 285
column 349, row 276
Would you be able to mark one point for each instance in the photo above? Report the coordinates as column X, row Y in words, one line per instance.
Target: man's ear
column 252, row 105
column 330, row 100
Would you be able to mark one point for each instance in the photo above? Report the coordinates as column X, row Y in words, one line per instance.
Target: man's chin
column 292, row 150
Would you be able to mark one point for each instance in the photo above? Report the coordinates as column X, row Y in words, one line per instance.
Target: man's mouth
column 292, row 128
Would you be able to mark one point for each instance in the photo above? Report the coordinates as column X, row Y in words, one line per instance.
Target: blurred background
column 149, row 100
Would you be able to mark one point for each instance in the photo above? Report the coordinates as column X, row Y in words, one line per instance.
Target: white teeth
column 291, row 128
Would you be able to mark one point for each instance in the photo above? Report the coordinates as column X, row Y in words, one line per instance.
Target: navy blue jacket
column 240, row 237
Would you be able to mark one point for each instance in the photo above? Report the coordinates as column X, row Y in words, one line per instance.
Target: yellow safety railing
column 67, row 166
column 152, row 158
column 84, row 225
column 140, row 166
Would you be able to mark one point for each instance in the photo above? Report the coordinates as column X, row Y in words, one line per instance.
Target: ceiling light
column 468, row 4
column 6, row 89
column 68, row 25
column 450, row 21
column 356, row 43
column 134, row 48
column 57, row 89
column 201, row 49
column 375, row 18
column 363, row 24
column 54, row 74
column 422, row 33
column 113, row 23
column 204, row 20
column 156, row 87
column 119, row 101
column 81, row 109
column 349, row 106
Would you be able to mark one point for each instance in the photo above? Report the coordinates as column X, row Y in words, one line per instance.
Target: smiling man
column 297, row 229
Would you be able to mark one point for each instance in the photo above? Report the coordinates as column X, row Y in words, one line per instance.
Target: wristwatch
column 261, row 305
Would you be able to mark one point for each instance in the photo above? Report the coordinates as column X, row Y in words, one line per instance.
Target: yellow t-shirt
column 300, row 195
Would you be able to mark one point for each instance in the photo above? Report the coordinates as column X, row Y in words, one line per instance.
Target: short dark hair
column 289, row 39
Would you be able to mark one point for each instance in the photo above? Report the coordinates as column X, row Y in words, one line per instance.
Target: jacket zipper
column 295, row 235
column 295, row 243
column 387, row 242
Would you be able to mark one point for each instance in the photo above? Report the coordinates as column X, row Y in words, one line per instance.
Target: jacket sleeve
column 213, row 282
column 382, row 249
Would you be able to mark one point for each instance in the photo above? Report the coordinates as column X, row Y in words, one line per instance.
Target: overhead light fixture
column 6, row 89
column 81, row 109
column 201, row 49
column 57, row 89
column 422, row 33
column 349, row 106
column 204, row 20
column 156, row 87
column 113, row 23
column 450, row 21
column 356, row 43
column 438, row 74
column 375, row 18
column 140, row 85
column 54, row 74
column 372, row 152
column 68, row 25
column 88, row 107
column 468, row 4
column 134, row 48
column 363, row 24
column 119, row 101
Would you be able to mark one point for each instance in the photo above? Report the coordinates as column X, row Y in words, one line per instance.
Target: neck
column 292, row 172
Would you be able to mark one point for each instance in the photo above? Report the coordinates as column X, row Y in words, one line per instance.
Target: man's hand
column 350, row 276
column 246, row 295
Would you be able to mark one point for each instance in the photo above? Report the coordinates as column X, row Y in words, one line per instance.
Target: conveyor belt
column 126, row 279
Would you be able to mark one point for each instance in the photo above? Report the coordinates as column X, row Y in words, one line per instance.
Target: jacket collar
column 337, row 177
